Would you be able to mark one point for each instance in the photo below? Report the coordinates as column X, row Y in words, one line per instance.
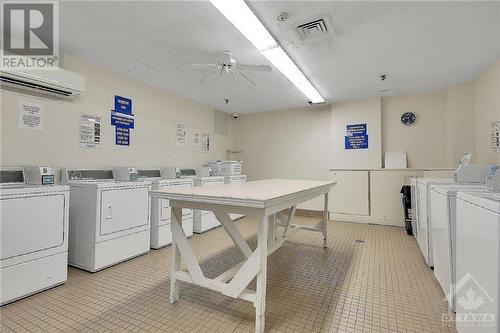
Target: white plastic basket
column 226, row 168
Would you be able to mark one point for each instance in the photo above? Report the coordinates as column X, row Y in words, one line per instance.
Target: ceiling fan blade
column 209, row 76
column 247, row 78
column 257, row 68
column 207, row 66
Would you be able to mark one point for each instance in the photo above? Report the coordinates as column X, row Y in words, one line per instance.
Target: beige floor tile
column 370, row 279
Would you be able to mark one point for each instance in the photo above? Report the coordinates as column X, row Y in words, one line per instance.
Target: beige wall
column 460, row 132
column 284, row 144
column 152, row 140
column 486, row 111
column 294, row 143
column 425, row 141
column 299, row 143
column 365, row 111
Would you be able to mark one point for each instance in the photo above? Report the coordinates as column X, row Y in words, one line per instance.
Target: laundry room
column 250, row 166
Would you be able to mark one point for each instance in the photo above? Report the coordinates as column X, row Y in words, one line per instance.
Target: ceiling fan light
column 241, row 16
column 287, row 67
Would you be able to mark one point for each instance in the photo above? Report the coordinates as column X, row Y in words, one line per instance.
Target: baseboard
column 366, row 219
column 350, row 218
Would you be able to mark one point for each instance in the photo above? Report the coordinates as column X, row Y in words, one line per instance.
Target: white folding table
column 274, row 201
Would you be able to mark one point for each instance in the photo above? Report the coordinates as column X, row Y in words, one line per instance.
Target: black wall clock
column 408, row 118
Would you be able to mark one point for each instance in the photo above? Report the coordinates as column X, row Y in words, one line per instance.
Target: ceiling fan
column 227, row 65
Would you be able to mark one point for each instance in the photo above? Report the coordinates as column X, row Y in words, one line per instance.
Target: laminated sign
column 30, row 116
column 356, row 137
column 181, row 133
column 205, row 143
column 123, row 119
column 495, row 136
column 90, row 131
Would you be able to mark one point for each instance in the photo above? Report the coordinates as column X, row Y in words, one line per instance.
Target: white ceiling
column 421, row 46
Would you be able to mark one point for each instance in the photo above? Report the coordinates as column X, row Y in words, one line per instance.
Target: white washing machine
column 108, row 219
column 34, row 236
column 443, row 203
column 235, row 179
column 204, row 220
column 464, row 174
column 161, row 235
column 424, row 236
column 478, row 259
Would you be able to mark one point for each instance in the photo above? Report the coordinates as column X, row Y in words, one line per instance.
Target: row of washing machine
column 457, row 224
column 97, row 218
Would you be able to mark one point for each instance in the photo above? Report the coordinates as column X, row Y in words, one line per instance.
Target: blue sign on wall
column 123, row 120
column 122, row 136
column 123, row 105
column 356, row 137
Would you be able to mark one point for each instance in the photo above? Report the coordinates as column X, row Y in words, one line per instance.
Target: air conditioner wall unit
column 56, row 82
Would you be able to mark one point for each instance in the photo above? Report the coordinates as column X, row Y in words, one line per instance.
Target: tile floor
column 370, row 279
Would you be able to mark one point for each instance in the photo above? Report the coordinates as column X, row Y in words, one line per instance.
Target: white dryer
column 204, row 220
column 34, row 236
column 443, row 204
column 235, row 179
column 478, row 260
column 108, row 219
column 161, row 235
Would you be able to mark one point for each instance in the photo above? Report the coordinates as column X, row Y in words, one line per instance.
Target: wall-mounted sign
column 181, row 133
column 123, row 119
column 123, row 105
column 205, row 143
column 356, row 137
column 495, row 136
column 30, row 116
column 122, row 136
column 90, row 131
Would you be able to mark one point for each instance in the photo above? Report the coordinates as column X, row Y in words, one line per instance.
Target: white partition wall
column 373, row 195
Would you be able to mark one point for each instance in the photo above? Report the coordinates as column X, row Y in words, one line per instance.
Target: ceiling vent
column 313, row 29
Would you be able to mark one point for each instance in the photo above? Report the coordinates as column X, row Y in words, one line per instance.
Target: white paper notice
column 205, row 143
column 196, row 139
column 181, row 134
column 495, row 136
column 90, row 131
column 30, row 116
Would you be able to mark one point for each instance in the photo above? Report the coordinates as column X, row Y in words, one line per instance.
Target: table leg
column 260, row 299
column 175, row 261
column 271, row 234
column 325, row 221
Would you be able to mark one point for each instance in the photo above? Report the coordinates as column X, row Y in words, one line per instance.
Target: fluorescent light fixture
column 286, row 66
column 241, row 16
